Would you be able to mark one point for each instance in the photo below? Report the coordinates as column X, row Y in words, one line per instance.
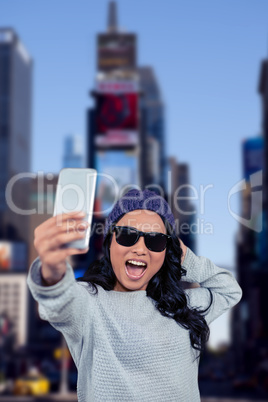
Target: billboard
column 13, row 256
column 117, row 119
column 116, row 169
column 116, row 51
column 117, row 112
column 116, row 87
column 253, row 156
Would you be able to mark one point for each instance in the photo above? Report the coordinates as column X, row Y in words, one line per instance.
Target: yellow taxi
column 33, row 383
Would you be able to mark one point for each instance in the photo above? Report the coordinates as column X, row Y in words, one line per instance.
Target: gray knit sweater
column 124, row 349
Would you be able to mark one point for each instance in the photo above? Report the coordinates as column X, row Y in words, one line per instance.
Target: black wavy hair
column 165, row 287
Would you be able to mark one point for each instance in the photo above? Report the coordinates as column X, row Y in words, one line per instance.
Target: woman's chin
column 129, row 287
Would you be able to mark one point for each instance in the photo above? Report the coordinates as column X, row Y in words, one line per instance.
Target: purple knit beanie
column 137, row 199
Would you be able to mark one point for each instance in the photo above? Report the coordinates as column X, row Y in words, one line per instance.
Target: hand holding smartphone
column 76, row 192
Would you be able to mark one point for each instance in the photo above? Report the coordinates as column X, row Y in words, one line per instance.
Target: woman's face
column 134, row 266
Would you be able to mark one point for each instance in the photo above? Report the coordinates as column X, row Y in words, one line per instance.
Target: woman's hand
column 50, row 236
column 184, row 249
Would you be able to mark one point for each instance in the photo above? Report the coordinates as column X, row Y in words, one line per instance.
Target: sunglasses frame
column 141, row 234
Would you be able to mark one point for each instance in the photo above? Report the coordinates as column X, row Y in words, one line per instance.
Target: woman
column 133, row 331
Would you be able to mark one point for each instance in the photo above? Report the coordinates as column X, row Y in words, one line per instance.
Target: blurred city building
column 24, row 337
column 250, row 319
column 15, row 134
column 153, row 127
column 13, row 309
column 115, row 140
column 42, row 196
column 126, row 130
column 263, row 91
column 15, row 155
column 73, row 152
column 246, row 319
column 115, row 50
column 263, row 254
column 182, row 208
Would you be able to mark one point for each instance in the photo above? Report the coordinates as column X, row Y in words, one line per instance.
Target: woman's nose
column 140, row 246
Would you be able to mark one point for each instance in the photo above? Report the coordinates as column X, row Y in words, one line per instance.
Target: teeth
column 137, row 263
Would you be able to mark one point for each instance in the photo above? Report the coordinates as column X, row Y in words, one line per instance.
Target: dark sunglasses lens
column 126, row 237
column 156, row 241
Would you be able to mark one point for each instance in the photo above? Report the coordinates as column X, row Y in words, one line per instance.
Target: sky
column 206, row 56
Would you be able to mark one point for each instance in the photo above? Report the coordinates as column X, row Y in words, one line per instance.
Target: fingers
column 53, row 258
column 60, row 239
column 51, row 235
column 73, row 251
column 49, row 241
column 59, row 235
column 60, row 220
column 63, row 219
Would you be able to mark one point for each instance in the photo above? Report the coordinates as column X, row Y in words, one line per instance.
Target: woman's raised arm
column 61, row 300
column 225, row 290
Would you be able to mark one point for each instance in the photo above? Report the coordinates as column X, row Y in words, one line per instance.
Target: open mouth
column 135, row 269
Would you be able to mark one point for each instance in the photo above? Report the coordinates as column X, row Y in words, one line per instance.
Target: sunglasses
column 128, row 236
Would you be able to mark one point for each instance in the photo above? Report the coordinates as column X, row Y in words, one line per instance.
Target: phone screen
column 76, row 192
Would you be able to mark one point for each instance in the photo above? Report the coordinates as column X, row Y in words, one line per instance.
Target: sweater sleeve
column 65, row 305
column 224, row 288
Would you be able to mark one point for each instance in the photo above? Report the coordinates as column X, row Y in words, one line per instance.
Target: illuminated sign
column 116, row 51
column 116, row 112
column 116, row 170
column 116, row 87
column 117, row 115
column 13, row 256
column 117, row 138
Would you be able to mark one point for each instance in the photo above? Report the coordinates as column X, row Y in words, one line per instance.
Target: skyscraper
column 263, row 91
column 116, row 49
column 153, row 125
column 250, row 329
column 15, row 131
column 73, row 155
column 125, row 90
column 182, row 207
column 13, row 302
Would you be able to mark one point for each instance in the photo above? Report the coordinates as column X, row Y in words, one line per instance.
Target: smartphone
column 76, row 192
